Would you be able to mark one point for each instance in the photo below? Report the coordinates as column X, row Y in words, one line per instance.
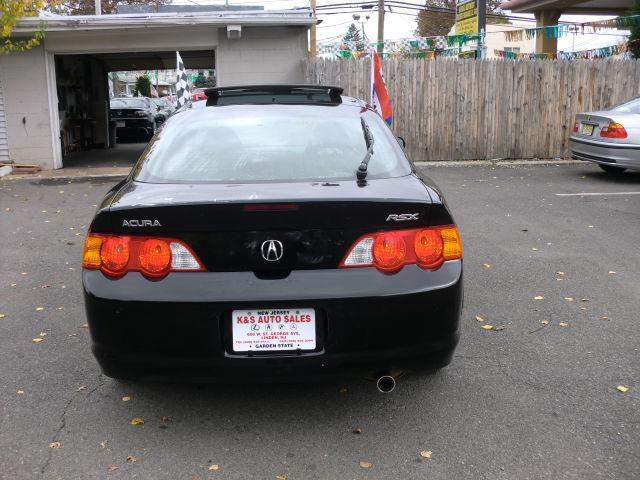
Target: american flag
column 182, row 87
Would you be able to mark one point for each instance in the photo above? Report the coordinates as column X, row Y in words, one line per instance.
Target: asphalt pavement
column 535, row 397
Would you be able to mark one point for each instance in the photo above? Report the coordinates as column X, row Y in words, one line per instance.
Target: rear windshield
column 269, row 143
column 630, row 107
column 129, row 103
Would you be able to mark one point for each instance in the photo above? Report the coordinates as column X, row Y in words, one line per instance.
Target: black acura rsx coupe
column 279, row 232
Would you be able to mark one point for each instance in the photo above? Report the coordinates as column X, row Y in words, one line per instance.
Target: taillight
column 114, row 255
column 153, row 257
column 575, row 126
column 614, row 130
column 389, row 251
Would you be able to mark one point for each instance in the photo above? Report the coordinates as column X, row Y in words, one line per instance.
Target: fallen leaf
column 81, row 388
column 126, row 398
column 589, row 226
column 214, row 468
column 545, row 322
column 39, row 309
column 137, row 421
column 14, row 284
column 131, row 459
column 604, row 318
column 498, row 329
column 103, row 444
column 426, row 453
column 37, row 340
column 622, row 388
column 534, row 249
column 2, row 315
column 487, row 327
column 343, row 390
column 365, row 465
column 611, row 272
column 84, row 325
column 281, row 477
column 23, row 273
column 357, row 430
column 54, row 445
column 112, row 468
column 584, row 299
column 487, row 265
column 20, row 392
column 538, row 297
column 479, row 318
column 563, row 324
column 43, row 334
column 568, row 299
column 559, row 273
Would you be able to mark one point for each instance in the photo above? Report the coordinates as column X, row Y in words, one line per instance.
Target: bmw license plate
column 587, row 129
column 275, row 329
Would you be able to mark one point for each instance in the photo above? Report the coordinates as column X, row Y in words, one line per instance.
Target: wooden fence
column 486, row 109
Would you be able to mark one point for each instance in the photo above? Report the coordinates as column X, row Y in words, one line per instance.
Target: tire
column 610, row 169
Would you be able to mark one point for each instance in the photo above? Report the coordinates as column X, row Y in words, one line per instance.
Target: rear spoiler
column 280, row 94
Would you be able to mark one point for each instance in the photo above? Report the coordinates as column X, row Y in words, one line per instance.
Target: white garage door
column 4, row 147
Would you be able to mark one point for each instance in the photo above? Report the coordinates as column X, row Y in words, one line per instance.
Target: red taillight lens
column 389, row 251
column 155, row 257
column 575, row 127
column 428, row 246
column 114, row 255
column 614, row 130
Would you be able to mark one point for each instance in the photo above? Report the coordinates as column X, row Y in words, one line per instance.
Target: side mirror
column 401, row 141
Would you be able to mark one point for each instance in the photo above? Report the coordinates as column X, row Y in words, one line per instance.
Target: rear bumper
column 368, row 322
column 619, row 155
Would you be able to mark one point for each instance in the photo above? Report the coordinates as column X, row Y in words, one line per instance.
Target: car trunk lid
column 236, row 227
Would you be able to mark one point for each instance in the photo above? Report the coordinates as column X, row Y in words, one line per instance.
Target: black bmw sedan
column 279, row 232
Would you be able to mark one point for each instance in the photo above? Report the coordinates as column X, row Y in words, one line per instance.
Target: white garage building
column 66, row 76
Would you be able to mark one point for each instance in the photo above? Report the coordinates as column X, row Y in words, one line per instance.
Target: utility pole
column 481, row 5
column 98, row 5
column 312, row 32
column 380, row 26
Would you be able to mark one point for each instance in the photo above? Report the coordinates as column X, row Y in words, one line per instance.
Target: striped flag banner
column 379, row 94
column 182, row 87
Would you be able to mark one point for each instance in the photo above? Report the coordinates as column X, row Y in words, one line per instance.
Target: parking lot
column 555, row 274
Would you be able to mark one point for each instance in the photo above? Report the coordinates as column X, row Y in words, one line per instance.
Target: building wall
column 262, row 55
column 27, row 108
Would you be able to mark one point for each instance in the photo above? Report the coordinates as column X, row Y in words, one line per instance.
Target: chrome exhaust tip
column 386, row 384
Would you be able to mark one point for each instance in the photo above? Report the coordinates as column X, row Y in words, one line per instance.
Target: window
column 269, row 143
column 129, row 103
column 628, row 107
column 512, row 49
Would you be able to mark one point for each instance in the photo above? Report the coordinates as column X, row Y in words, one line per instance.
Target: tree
column 439, row 16
column 353, row 38
column 10, row 12
column 143, row 86
column 633, row 44
column 87, row 7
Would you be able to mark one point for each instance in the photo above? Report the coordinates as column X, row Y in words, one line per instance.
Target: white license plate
column 587, row 129
column 120, row 124
column 274, row 329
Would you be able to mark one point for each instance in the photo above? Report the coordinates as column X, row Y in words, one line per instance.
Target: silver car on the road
column 610, row 138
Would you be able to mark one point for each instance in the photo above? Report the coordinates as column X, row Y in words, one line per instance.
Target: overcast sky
column 403, row 24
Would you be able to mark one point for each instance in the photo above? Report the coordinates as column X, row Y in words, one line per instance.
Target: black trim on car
column 595, row 158
column 606, row 145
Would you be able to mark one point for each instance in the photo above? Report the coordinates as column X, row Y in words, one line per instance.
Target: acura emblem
column 272, row 250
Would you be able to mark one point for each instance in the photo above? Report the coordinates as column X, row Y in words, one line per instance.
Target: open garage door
column 97, row 109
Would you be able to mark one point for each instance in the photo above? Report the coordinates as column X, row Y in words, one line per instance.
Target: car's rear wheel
column 611, row 169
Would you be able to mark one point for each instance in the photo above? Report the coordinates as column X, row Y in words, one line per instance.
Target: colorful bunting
column 585, row 54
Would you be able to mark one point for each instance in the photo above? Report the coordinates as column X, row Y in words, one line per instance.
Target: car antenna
column 361, row 173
